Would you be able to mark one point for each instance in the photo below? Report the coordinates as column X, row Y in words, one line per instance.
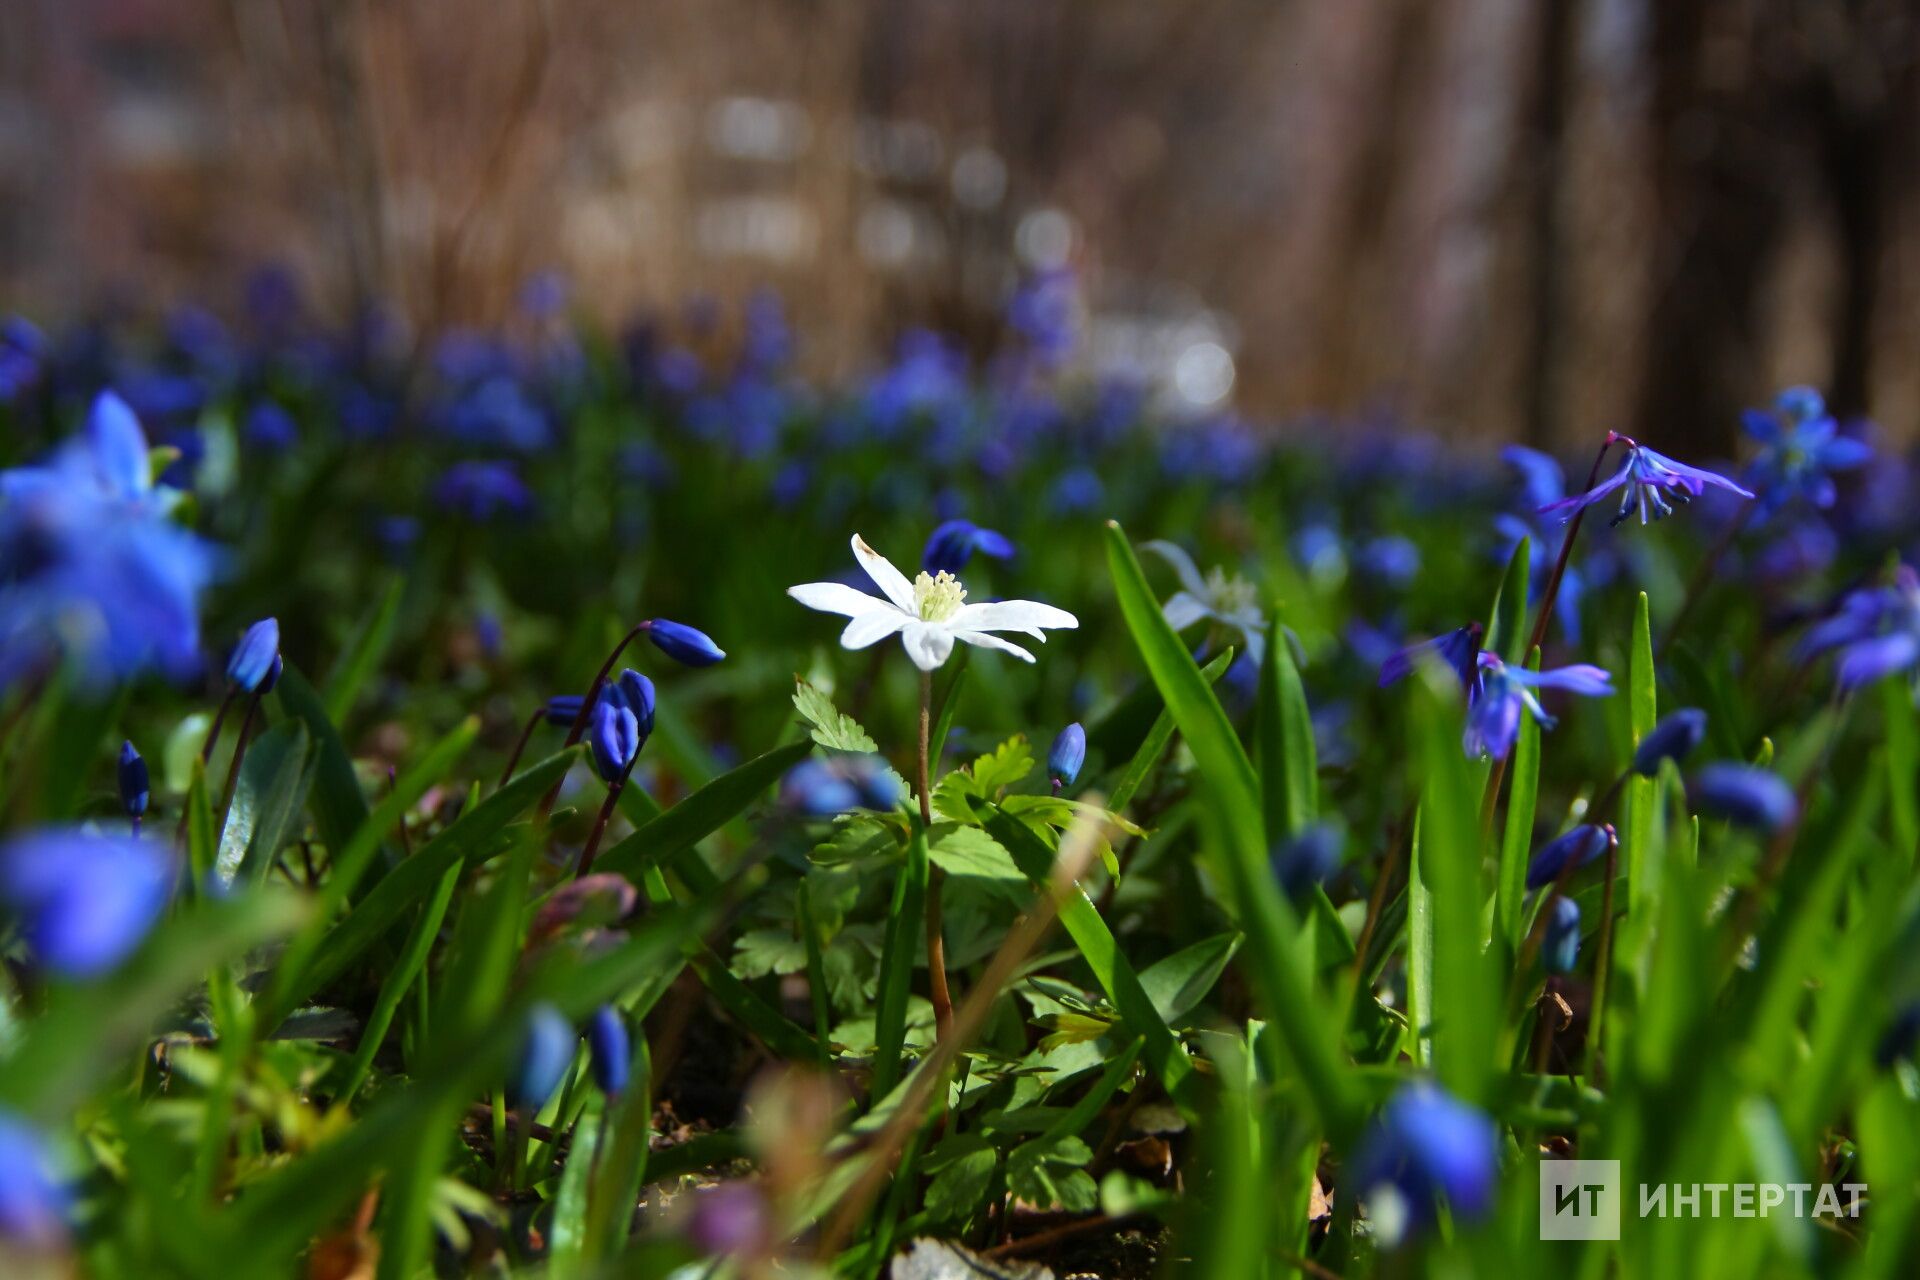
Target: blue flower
column 1648, row 479
column 613, row 740
column 1542, row 483
column 33, row 1199
column 563, row 709
column 84, row 901
column 1459, row 649
column 1876, row 631
column 1674, row 738
column 610, row 1050
column 1390, row 558
column 271, row 428
column 134, row 784
column 1068, row 753
column 684, row 644
column 1307, row 858
column 546, row 1053
column 1493, row 718
column 1572, row 849
column 1560, row 946
column 1800, row 448
column 252, row 661
column 952, row 544
column 1425, row 1148
column 636, row 693
column 832, row 786
column 1745, row 795
column 23, row 358
column 482, row 490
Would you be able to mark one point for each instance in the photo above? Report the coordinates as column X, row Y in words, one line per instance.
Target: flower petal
column 1183, row 610
column 1183, row 566
column 889, row 579
column 1571, row 504
column 871, row 628
column 986, row 641
column 1868, row 660
column 1012, row 615
column 837, row 597
column 928, row 644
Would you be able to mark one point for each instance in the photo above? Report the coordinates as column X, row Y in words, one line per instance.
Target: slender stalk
column 1603, row 963
column 1703, row 574
column 520, row 747
column 213, row 731
column 600, row 826
column 239, row 757
column 936, row 932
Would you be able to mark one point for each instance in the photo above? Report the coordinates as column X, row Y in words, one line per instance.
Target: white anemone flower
column 929, row 613
column 1227, row 599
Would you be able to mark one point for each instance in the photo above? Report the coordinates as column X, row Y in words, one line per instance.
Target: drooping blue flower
column 953, row 543
column 563, row 709
column 546, row 1052
column 636, row 693
column 824, row 788
column 613, row 739
column 684, row 644
column 134, row 784
column 252, row 662
column 1674, row 738
column 1307, row 858
column 1560, row 945
column 84, row 901
column 1459, row 649
column 34, row 1200
column 1575, row 848
column 1745, row 795
column 1504, row 692
column 1649, row 479
column 1800, row 449
column 1876, row 632
column 1068, row 753
column 610, row 1050
column 1425, row 1149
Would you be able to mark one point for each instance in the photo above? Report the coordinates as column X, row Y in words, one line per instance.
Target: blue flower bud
column 953, row 543
column 545, row 1054
column 1674, row 738
column 253, row 658
column 1744, row 795
column 134, row 784
column 1307, row 858
column 1560, row 946
column 1579, row 847
column 1424, row 1148
column 1068, row 753
column 825, row 788
column 614, row 740
column 563, row 709
column 273, row 675
column 33, row 1200
column 611, row 1056
column 683, row 644
column 634, row 692
column 84, row 901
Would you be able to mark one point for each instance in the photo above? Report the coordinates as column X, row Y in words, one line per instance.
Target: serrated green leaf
column 832, row 728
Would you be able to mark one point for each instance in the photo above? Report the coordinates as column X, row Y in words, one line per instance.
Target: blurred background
column 1523, row 219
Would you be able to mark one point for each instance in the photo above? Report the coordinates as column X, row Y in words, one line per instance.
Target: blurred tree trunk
column 1558, row 33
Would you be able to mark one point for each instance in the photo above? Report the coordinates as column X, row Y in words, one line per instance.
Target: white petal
column 871, row 628
column 928, row 644
column 1183, row 611
column 1256, row 645
column 1012, row 615
column 889, row 579
column 837, row 597
column 986, row 641
column 1183, row 566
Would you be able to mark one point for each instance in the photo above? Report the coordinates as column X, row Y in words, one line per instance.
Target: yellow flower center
column 939, row 598
column 1230, row 592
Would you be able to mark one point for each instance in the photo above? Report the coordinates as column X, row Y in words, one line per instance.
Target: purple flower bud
column 1560, row 946
column 1577, row 847
column 611, row 1050
column 563, row 709
column 33, row 1201
column 1674, row 738
column 545, row 1054
column 683, row 644
column 1424, row 1148
column 134, row 784
column 730, row 1219
column 252, row 662
column 588, row 902
column 84, row 901
column 1068, row 754
column 953, row 543
column 614, row 740
column 1744, row 795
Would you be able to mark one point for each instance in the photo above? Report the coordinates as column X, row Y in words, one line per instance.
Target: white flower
column 930, row 613
column 1229, row 600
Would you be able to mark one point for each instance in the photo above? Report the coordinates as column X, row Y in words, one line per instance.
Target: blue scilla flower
column 1876, row 631
column 1045, row 312
column 824, row 788
column 1674, row 738
column 84, row 901
column 1390, row 559
column 1459, row 650
column 1560, row 945
column 1425, row 1149
column 1745, row 795
column 546, row 1052
column 92, row 570
column 953, row 543
column 1572, row 849
column 684, row 644
column 1493, row 716
column 1542, row 483
column 1800, row 449
column 636, row 693
column 33, row 1199
column 1068, row 753
column 1307, row 858
column 610, row 1050
column 613, row 740
column 23, row 358
column 135, row 786
column 563, row 709
column 1646, row 481
column 270, row 428
column 251, row 665
column 481, row 491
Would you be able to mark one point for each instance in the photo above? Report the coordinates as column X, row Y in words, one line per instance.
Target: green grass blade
column 1154, row 745
column 363, row 652
column 904, row 938
column 268, row 800
column 1507, row 620
column 339, row 807
column 702, row 813
column 1289, row 782
column 1516, row 840
column 394, row 987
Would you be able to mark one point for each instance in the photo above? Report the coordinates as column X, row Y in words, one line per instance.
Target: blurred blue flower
column 1318, row 548
column 1800, row 449
column 1068, row 753
column 135, row 786
column 23, row 358
column 1076, row 490
column 1876, row 631
column 1674, row 738
column 1390, row 559
column 33, row 1200
column 613, row 739
column 1801, row 549
column 1560, row 945
column 610, row 1050
column 482, row 490
column 1045, row 312
column 1307, row 858
column 1648, row 479
column 1542, row 484
column 824, row 788
column 270, row 428
column 251, row 664
column 1570, row 850
column 546, row 1052
column 84, row 901
column 684, row 644
column 1493, row 718
column 952, row 544
column 1458, row 649
column 1423, row 1149
column 1745, row 795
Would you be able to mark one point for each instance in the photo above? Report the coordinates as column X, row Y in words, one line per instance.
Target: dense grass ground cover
column 1238, row 933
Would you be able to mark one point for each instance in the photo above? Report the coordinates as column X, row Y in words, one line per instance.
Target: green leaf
column 969, row 851
column 702, row 813
column 363, row 653
column 270, row 795
column 904, row 939
column 1182, row 980
column 339, row 808
column 759, row 952
column 961, row 1185
column 1289, row 785
column 1516, row 840
column 1000, row 768
column 399, row 980
column 1507, row 621
column 832, row 728
column 1643, row 873
column 1154, row 745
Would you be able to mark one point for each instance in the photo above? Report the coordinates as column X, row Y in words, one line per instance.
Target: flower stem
column 578, row 729
column 219, row 718
column 519, row 748
column 936, row 932
column 1603, row 963
column 239, row 757
column 600, row 826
